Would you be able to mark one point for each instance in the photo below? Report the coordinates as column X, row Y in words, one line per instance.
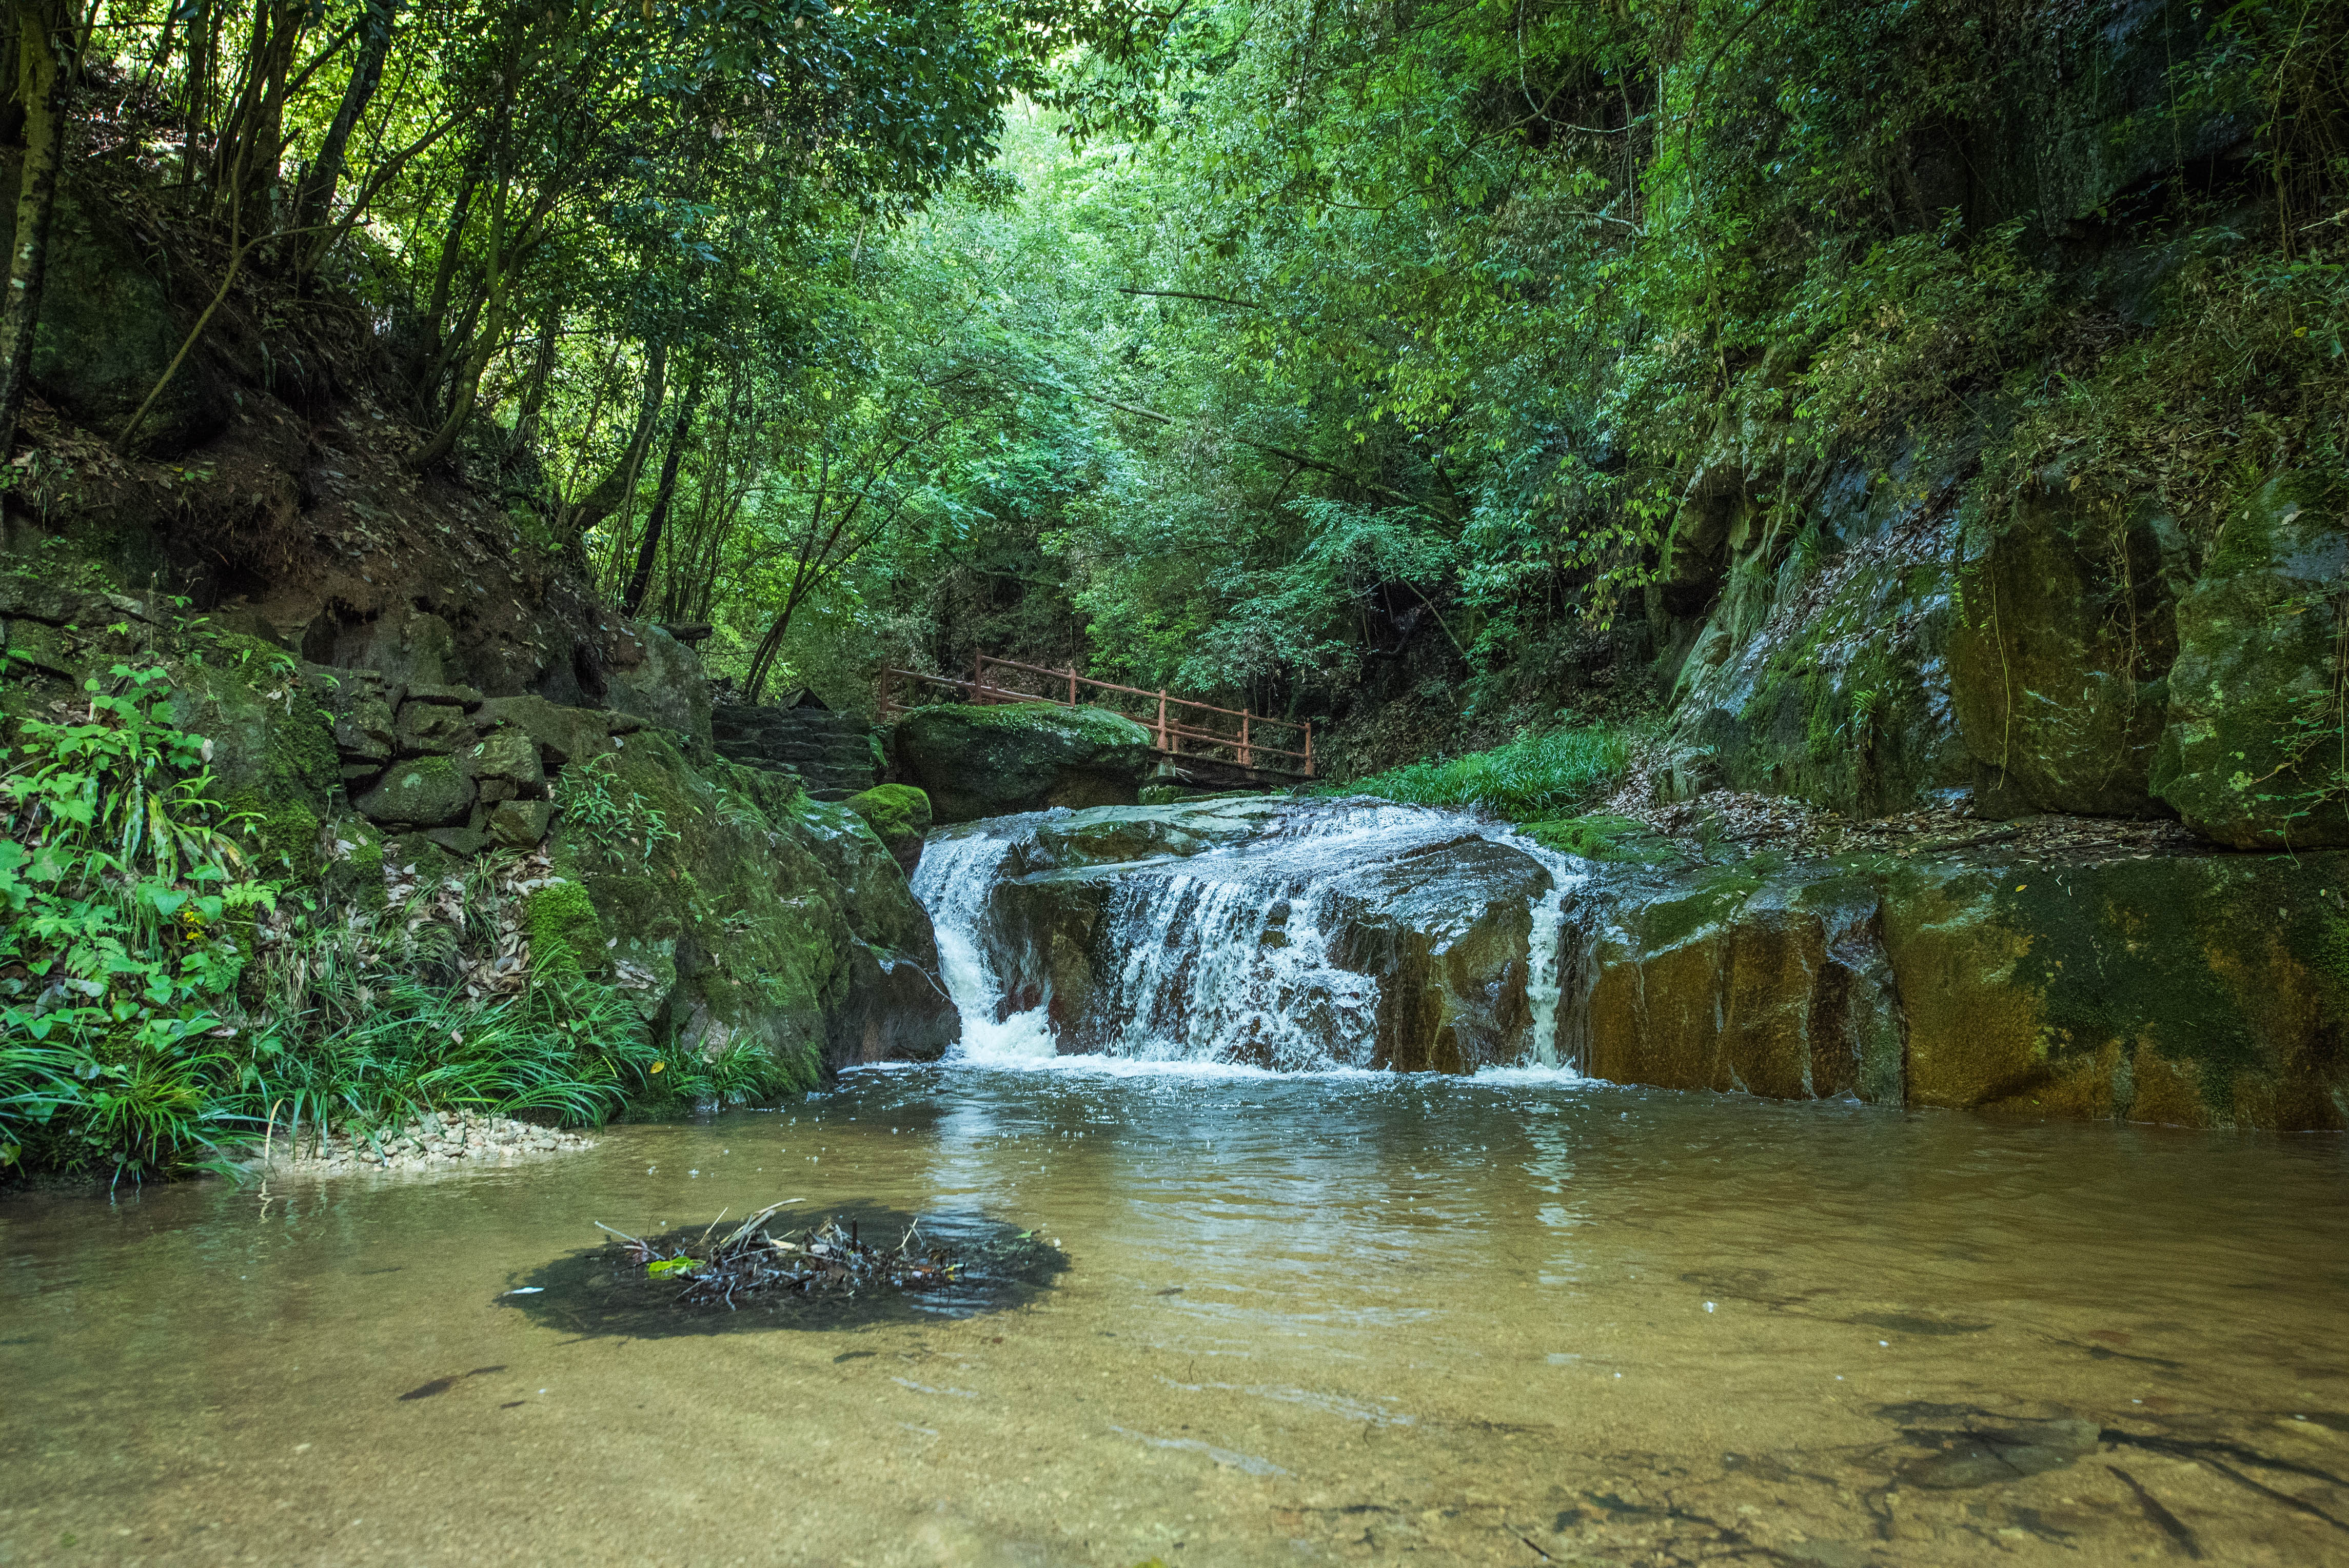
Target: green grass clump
column 1534, row 777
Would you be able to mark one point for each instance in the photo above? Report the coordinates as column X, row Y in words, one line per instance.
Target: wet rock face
column 2058, row 658
column 2195, row 990
column 2255, row 689
column 1719, row 980
column 1270, row 933
column 974, row 762
column 1821, row 673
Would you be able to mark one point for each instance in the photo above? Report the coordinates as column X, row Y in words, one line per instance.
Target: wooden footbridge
column 1202, row 743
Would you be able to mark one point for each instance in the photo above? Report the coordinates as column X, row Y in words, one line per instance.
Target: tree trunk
column 430, row 348
column 315, row 203
column 534, row 388
column 649, row 548
column 469, row 385
column 41, row 84
column 617, row 486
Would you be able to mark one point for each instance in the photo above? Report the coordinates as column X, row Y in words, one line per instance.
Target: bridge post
column 1162, row 719
column 1246, row 762
column 977, row 676
column 1072, row 686
column 1308, row 749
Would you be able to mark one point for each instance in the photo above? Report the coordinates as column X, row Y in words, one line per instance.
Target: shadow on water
column 601, row 1292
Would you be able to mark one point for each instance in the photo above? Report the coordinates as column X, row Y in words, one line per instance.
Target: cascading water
column 955, row 875
column 1290, row 937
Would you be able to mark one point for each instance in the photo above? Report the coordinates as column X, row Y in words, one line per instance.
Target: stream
column 1307, row 1312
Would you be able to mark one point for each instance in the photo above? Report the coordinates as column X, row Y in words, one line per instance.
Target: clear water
column 1510, row 1319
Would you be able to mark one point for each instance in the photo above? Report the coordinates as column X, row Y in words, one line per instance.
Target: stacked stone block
column 835, row 754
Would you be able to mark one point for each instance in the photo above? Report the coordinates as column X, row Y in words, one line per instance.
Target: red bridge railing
column 1173, row 721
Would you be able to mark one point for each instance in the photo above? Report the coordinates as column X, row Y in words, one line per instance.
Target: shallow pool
column 1513, row 1319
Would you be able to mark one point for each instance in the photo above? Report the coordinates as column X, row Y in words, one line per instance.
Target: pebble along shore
column 435, row 1140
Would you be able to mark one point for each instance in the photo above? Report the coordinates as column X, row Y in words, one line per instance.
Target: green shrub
column 1532, row 779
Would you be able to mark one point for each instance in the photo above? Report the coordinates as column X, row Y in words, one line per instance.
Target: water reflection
column 1320, row 1318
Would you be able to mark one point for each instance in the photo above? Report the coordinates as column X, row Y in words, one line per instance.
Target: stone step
column 845, row 765
column 806, row 720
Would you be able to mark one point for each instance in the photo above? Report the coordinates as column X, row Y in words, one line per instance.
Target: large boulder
column 975, row 762
column 2200, row 990
column 2058, row 656
column 1718, row 979
column 2252, row 754
column 896, row 1007
column 663, row 686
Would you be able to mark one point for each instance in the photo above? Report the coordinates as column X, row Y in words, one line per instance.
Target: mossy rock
column 2251, row 753
column 667, row 689
column 2059, row 657
column 1822, row 678
column 273, row 760
column 421, row 793
column 562, row 735
column 2200, row 990
column 988, row 761
column 1601, row 837
column 510, row 753
column 740, row 919
column 899, row 815
column 566, row 933
column 1182, row 795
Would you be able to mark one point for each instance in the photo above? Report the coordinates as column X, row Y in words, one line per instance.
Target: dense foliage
column 160, row 1005
column 1235, row 345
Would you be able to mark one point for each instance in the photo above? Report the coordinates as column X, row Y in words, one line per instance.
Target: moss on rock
column 740, row 919
column 2057, row 663
column 567, row 932
column 1602, row 837
column 273, row 760
column 421, row 793
column 2190, row 989
column 2251, row 756
column 987, row 761
column 892, row 809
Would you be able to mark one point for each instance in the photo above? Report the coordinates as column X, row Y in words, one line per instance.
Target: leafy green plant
column 122, row 883
column 1533, row 779
column 616, row 820
column 160, row 1008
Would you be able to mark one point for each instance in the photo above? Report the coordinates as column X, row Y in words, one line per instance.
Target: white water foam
column 1226, row 965
column 955, row 875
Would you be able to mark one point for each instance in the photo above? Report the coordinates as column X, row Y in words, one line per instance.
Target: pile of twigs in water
column 827, row 1257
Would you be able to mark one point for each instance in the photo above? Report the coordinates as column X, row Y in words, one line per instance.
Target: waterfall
column 952, row 882
column 1273, row 935
column 1545, row 956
